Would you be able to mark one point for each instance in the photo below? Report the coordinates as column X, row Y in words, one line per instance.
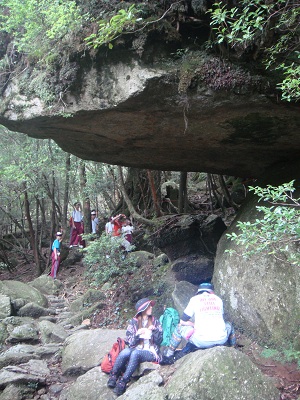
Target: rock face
column 235, row 377
column 163, row 114
column 190, row 242
column 261, row 293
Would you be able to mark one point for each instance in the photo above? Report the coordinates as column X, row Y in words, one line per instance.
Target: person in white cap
column 208, row 330
column 55, row 256
column 144, row 336
column 95, row 221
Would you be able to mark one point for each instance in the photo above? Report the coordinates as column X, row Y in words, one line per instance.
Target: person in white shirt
column 109, row 226
column 127, row 230
column 94, row 221
column 209, row 328
column 77, row 227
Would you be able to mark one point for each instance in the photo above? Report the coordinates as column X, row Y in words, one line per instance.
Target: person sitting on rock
column 208, row 330
column 144, row 336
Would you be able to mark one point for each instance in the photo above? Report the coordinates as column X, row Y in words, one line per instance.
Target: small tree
column 105, row 260
column 278, row 231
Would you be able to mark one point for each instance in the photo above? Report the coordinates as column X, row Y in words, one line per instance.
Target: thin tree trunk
column 209, row 184
column 86, row 200
column 31, row 231
column 182, row 197
column 67, row 191
column 154, row 194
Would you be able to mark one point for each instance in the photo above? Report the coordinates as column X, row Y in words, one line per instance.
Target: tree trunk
column 182, row 197
column 32, row 235
column 67, row 191
column 86, row 200
column 154, row 193
column 129, row 203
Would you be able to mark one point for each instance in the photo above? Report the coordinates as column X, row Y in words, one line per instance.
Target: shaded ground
column 286, row 375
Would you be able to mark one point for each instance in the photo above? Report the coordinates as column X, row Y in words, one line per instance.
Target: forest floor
column 286, row 375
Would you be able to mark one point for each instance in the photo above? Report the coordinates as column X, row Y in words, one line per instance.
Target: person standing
column 118, row 221
column 55, row 255
column 94, row 221
column 144, row 336
column 209, row 328
column 127, row 230
column 77, row 227
column 109, row 227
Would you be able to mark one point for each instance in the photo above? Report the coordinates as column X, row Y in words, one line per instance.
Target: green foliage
column 290, row 86
column 105, row 260
column 271, row 28
column 36, row 25
column 109, row 30
column 286, row 355
column 278, row 231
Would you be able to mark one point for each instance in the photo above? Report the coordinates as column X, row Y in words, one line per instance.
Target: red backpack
column 110, row 358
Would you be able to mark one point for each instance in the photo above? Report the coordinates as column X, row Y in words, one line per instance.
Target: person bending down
column 209, row 328
column 144, row 336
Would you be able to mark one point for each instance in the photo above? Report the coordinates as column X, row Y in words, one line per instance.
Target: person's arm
column 185, row 320
column 131, row 334
column 157, row 332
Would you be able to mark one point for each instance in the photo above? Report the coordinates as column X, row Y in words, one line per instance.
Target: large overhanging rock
column 203, row 115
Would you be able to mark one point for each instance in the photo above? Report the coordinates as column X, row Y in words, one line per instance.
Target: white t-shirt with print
column 207, row 309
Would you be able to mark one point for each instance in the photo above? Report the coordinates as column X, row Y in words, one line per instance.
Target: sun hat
column 143, row 304
column 58, row 234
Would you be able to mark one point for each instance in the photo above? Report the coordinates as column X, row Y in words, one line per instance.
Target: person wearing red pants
column 55, row 256
column 77, row 227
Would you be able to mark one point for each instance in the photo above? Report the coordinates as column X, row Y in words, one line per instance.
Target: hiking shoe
column 112, row 381
column 167, row 360
column 120, row 387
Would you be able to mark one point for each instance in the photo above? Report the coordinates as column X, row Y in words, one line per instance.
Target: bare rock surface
column 159, row 115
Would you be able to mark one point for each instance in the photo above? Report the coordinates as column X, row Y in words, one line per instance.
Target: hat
column 143, row 304
column 58, row 234
column 93, row 213
column 206, row 287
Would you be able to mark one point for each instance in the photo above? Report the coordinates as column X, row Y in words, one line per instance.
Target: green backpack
column 169, row 320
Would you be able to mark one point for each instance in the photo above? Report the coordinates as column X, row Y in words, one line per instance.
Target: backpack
column 169, row 320
column 110, row 358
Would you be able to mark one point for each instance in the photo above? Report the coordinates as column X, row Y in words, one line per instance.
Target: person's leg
column 230, row 334
column 118, row 367
column 53, row 264
column 74, row 236
column 136, row 358
column 179, row 333
column 56, row 266
column 77, row 233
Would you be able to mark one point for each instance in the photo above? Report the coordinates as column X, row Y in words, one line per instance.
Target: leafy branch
column 265, row 28
column 278, row 231
column 123, row 22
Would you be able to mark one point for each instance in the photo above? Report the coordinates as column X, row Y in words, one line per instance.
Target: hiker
column 208, row 330
column 109, row 227
column 117, row 222
column 127, row 230
column 77, row 227
column 94, row 221
column 55, row 255
column 144, row 335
